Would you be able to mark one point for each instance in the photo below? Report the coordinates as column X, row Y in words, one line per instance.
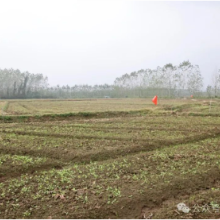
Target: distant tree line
column 81, row 91
column 15, row 84
column 167, row 81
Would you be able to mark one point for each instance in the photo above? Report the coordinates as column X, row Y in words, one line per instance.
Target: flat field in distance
column 126, row 158
column 41, row 107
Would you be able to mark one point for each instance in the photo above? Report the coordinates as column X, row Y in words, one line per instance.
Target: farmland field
column 42, row 107
column 113, row 158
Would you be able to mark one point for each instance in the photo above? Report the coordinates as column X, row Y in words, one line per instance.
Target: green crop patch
column 15, row 165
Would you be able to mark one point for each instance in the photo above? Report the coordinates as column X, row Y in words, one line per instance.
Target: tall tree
column 195, row 80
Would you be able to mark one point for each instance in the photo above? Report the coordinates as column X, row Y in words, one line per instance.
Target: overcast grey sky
column 93, row 42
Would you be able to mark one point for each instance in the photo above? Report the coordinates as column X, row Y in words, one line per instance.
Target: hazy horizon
column 93, row 42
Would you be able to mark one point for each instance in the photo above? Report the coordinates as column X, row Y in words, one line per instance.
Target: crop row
column 105, row 133
column 146, row 121
column 12, row 165
column 86, row 148
column 142, row 128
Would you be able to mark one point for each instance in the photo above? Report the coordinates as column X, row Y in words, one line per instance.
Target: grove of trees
column 167, row 81
column 15, row 84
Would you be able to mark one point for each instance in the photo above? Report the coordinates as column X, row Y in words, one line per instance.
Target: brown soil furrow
column 179, row 186
column 154, row 198
column 143, row 145
column 187, row 139
column 8, row 173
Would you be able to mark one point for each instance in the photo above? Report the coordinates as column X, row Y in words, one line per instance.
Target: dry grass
column 40, row 107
